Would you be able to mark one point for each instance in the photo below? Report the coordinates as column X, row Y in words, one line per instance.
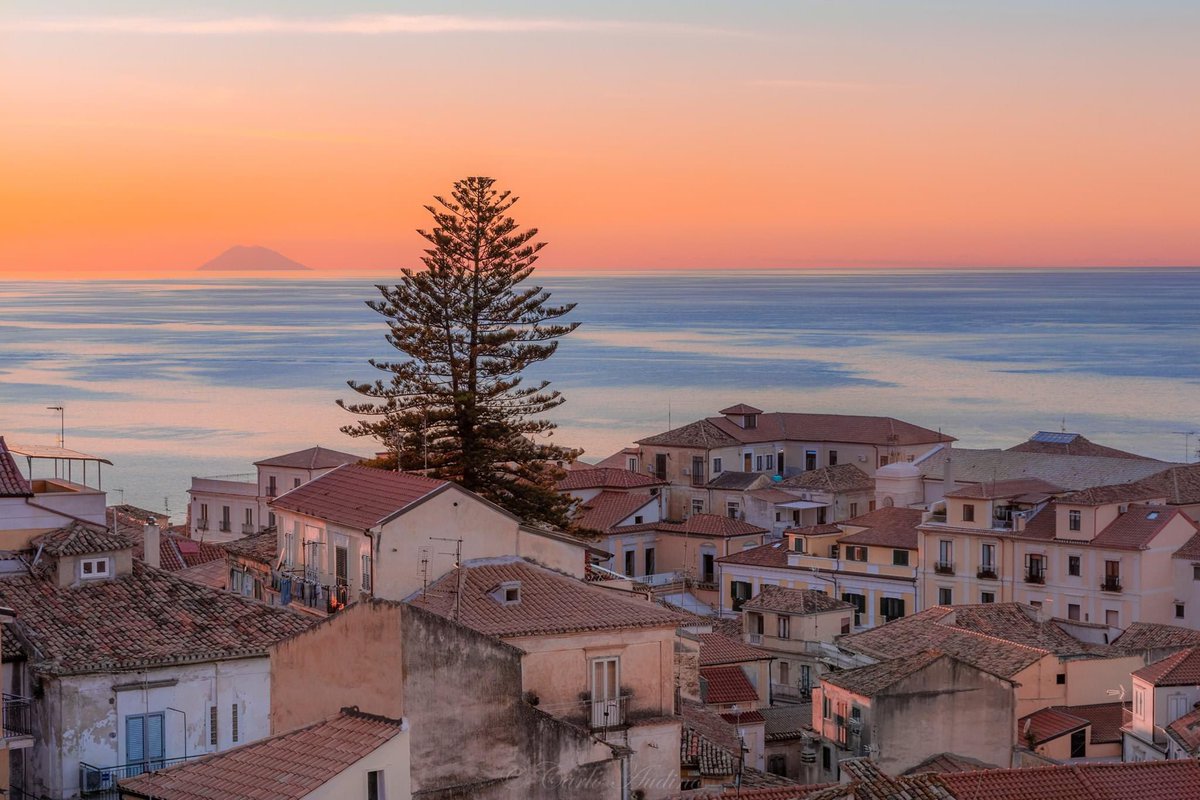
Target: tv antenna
column 1187, row 439
column 457, row 566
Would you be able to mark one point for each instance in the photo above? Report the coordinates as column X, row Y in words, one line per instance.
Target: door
column 649, row 560
column 341, row 568
column 1177, row 706
column 143, row 742
column 606, row 704
column 747, row 462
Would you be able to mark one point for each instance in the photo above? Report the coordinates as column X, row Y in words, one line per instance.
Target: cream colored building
column 1164, row 693
column 795, row 626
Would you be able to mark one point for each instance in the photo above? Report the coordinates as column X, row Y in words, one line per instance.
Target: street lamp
column 62, row 424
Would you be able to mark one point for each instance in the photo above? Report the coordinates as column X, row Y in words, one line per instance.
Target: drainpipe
column 625, row 777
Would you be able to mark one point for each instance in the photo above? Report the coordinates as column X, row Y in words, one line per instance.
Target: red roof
column 699, row 525
column 886, row 527
column 717, row 648
column 1134, row 529
column 606, row 478
column 1179, row 669
column 312, row 458
column 608, row 509
column 1106, row 719
column 286, row 767
column 1143, row 780
column 12, row 482
column 740, row 408
column 1013, row 487
column 784, row 426
column 1186, row 731
column 727, row 685
column 358, row 497
column 744, row 718
column 1048, row 723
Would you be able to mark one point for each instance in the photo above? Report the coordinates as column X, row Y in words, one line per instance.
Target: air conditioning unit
column 94, row 780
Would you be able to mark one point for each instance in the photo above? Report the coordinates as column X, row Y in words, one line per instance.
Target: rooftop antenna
column 1187, row 437
column 457, row 566
column 62, row 424
column 423, row 560
column 1064, row 423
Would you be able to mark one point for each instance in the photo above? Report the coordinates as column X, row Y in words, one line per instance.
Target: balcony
column 226, row 527
column 100, row 783
column 1035, row 576
column 247, row 530
column 1110, row 584
column 16, row 716
column 202, row 524
column 987, row 573
column 944, row 567
column 790, row 693
column 754, row 638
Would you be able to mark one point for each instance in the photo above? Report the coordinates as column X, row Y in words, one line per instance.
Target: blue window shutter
column 154, row 736
column 135, row 739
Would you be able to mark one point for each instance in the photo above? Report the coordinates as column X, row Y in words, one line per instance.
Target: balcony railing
column 247, row 529
column 16, row 716
column 788, row 692
column 944, row 567
column 754, row 638
column 226, row 527
column 202, row 524
column 1110, row 585
column 609, row 713
column 986, row 573
column 100, row 783
column 1035, row 576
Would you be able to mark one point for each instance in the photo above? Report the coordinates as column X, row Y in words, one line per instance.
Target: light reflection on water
column 175, row 378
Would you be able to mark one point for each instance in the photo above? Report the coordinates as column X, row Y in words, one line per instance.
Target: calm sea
column 170, row 379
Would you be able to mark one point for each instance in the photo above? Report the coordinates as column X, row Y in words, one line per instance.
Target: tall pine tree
column 456, row 404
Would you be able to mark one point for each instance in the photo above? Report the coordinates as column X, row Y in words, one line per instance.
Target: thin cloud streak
column 356, row 25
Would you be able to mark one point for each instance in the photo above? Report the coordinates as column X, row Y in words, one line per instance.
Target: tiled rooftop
column 1120, row 493
column 357, row 497
column 1180, row 484
column 1145, row 780
column 837, row 479
column 1069, row 472
column 285, row 767
column 606, row 478
column 12, row 482
column 262, row 547
column 79, row 539
column 608, row 509
column 891, row 526
column 1186, row 731
column 727, row 685
column 772, row 554
column 312, row 458
column 698, row 525
column 1155, row 636
column 1134, row 529
column 794, row 601
column 1178, row 669
column 548, row 603
column 784, row 426
column 1005, row 489
column 736, row 481
column 149, row 617
column 717, row 648
column 1077, row 445
column 708, row 742
column 1046, row 724
column 1106, row 719
column 784, row 722
column 948, row 762
column 870, row 680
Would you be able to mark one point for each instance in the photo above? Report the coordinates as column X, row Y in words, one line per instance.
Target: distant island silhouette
column 241, row 258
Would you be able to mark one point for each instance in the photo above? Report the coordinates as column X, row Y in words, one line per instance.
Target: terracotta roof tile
column 1106, row 719
column 1190, row 550
column 606, row 478
column 885, row 527
column 1070, row 472
column 548, row 602
column 717, row 648
column 618, row 460
column 262, row 547
column 772, row 495
column 794, row 601
column 948, row 762
column 727, row 685
column 1048, row 723
column 740, row 409
column 147, row 617
column 699, row 525
column 1077, row 446
column 773, row 554
column 738, row 481
column 785, row 722
column 1013, row 487
column 1186, row 731
column 870, row 680
column 1179, row 484
column 1178, row 669
column 285, row 767
column 743, row 717
column 312, row 458
column 78, row 539
column 785, row 426
column 12, row 482
column 702, row 434
column 837, row 479
column 358, row 497
column 1155, row 636
column 608, row 509
column 1145, row 780
column 1118, row 493
column 1134, row 529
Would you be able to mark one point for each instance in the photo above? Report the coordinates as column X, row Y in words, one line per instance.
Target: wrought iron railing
column 16, row 716
column 944, row 567
column 1111, row 585
column 101, row 783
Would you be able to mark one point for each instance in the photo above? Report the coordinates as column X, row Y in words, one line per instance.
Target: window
column 90, row 568
column 296, row 483
column 825, row 709
column 821, row 515
column 143, row 742
column 225, row 525
column 233, row 723
column 833, row 458
column 853, row 510
column 891, row 608
column 707, row 568
column 631, row 464
column 630, row 563
column 871, row 505
column 784, row 626
column 716, row 466
column 856, row 553
column 777, row 765
column 649, row 558
column 900, row 558
column 271, row 519
column 1139, row 702
column 1073, row 565
column 1074, row 520
column 756, row 623
column 375, row 785
column 945, row 563
column 1112, row 576
column 859, row 601
column 1079, row 744
column 758, row 463
column 747, row 462
column 825, row 759
column 1196, row 572
column 987, row 557
column 987, row 597
column 883, row 461
column 732, row 509
column 638, row 519
column 272, row 487
column 810, row 459
column 845, row 625
column 1061, row 679
column 779, row 463
column 739, row 592
column 769, row 461
column 968, row 512
column 212, row 726
column 697, row 506
column 750, row 421
column 945, row 597
column 366, row 572
column 1035, row 568
column 1112, row 619
column 249, row 517
column 697, row 470
column 660, row 465
column 785, row 673
column 203, row 515
column 1179, row 611
column 1073, row 611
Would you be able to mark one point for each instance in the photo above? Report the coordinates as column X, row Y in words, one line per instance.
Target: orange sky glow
column 817, row 137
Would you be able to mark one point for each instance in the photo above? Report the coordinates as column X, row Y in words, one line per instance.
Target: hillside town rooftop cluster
column 764, row 605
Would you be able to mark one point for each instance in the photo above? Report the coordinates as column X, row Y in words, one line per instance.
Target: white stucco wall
column 392, row 757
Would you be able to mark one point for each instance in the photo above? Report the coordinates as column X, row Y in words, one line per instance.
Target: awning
column 48, row 451
column 802, row 504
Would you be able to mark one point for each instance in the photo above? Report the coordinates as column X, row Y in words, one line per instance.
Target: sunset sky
column 143, row 138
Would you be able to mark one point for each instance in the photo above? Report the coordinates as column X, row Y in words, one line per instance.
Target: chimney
column 948, row 472
column 151, row 554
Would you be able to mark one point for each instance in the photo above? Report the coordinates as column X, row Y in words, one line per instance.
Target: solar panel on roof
column 1050, row 437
